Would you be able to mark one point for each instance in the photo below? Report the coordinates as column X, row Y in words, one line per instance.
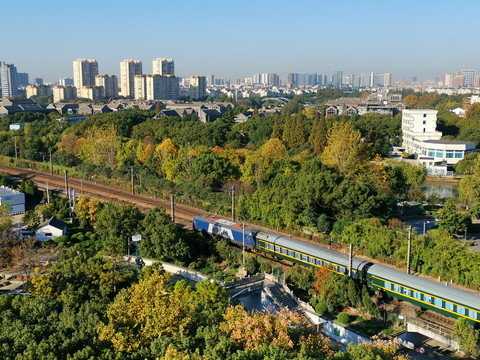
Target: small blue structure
column 225, row 228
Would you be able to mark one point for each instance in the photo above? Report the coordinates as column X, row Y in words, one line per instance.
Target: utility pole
column 48, row 195
column 51, row 164
column 233, row 203
column 16, row 154
column 133, row 184
column 66, row 182
column 172, row 200
column 350, row 261
column 81, row 186
column 409, row 250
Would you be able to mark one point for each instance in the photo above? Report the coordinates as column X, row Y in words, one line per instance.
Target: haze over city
column 237, row 39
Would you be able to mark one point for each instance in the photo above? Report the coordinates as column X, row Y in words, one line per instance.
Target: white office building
column 421, row 138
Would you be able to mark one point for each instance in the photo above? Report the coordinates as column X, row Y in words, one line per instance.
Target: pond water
column 443, row 190
column 257, row 300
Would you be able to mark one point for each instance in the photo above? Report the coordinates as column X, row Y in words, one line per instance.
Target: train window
column 407, row 292
column 270, row 246
column 437, row 302
column 342, row 270
column 284, row 251
column 298, row 255
column 388, row 285
column 305, row 258
column 319, row 262
column 448, row 306
column 461, row 310
column 311, row 260
column 291, row 253
column 427, row 299
column 396, row 288
column 472, row 314
column 417, row 295
column 277, row 248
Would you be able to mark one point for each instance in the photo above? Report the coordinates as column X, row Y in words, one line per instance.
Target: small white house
column 51, row 229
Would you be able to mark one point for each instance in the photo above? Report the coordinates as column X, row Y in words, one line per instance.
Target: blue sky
column 238, row 38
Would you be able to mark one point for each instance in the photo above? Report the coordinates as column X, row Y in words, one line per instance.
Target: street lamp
column 136, row 239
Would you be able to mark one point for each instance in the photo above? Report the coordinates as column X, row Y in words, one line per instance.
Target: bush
column 343, row 318
column 321, row 308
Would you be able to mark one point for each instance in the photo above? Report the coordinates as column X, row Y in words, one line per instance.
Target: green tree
column 452, row 220
column 288, row 129
column 160, row 237
column 467, row 337
column 117, row 223
column 318, row 135
column 276, row 128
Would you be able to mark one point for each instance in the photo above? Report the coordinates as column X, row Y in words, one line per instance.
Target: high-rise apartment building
column 157, row 87
column 84, row 72
column 64, row 93
column 38, row 81
column 140, row 87
column 458, row 80
column 9, row 81
column 468, row 77
column 210, row 80
column 22, row 79
column 273, row 80
column 109, row 84
column 387, row 79
column 448, row 80
column 65, row 81
column 337, row 78
column 128, row 70
column 162, row 66
column 198, row 87
column 38, row 90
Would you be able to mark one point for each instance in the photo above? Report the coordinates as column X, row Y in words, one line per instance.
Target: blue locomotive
column 427, row 294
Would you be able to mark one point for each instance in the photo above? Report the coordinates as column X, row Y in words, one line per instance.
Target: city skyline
column 239, row 39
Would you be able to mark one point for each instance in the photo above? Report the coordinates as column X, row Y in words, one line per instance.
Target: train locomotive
column 427, row 294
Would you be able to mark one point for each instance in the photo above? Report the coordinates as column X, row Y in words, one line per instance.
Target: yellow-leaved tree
column 345, row 150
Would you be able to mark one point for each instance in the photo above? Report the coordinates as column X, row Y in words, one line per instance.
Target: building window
column 449, row 154
column 424, row 115
column 48, row 234
column 431, row 152
column 458, row 154
column 440, row 153
column 424, row 122
column 424, row 130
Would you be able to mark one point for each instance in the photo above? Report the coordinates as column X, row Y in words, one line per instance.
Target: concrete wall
column 174, row 269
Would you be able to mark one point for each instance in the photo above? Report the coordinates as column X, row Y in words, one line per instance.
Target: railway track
column 183, row 214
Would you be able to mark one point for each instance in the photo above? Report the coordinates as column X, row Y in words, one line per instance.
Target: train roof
column 313, row 250
column 224, row 222
column 430, row 287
